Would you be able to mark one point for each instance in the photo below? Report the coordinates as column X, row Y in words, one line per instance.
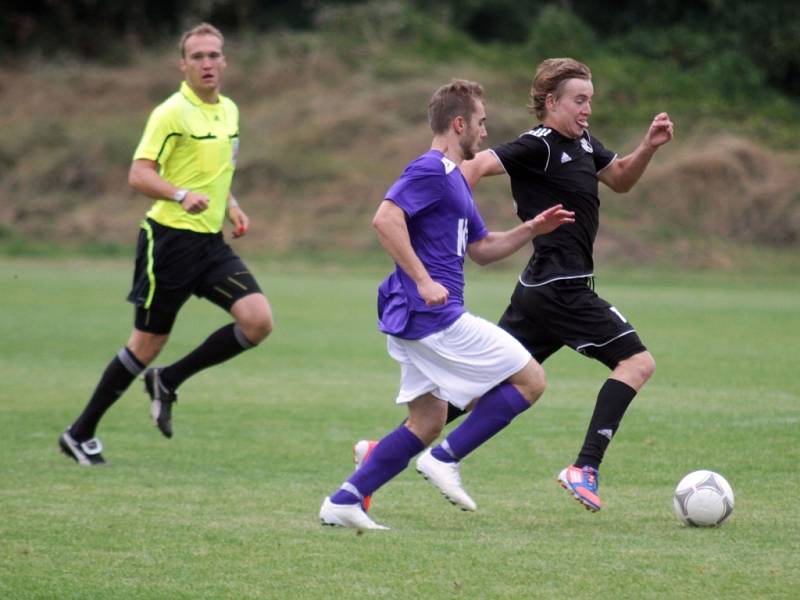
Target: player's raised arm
column 622, row 174
column 499, row 245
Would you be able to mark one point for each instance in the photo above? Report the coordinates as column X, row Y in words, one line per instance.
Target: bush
column 558, row 32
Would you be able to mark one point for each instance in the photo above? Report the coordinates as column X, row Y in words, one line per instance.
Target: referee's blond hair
column 202, row 29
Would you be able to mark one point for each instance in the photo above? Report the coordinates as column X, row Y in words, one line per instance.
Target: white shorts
column 459, row 363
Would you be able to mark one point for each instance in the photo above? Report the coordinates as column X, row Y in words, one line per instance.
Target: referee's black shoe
column 161, row 400
column 87, row 453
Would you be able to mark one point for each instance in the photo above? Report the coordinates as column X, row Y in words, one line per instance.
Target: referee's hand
column 195, row 203
column 240, row 221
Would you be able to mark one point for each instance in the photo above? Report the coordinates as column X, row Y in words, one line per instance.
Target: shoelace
column 592, row 479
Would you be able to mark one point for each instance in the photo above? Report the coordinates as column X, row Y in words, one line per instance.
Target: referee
column 185, row 162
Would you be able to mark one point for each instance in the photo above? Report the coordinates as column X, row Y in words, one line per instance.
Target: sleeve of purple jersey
column 417, row 189
column 476, row 228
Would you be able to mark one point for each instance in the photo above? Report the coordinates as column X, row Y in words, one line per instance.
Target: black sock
column 453, row 412
column 612, row 402
column 119, row 374
column 225, row 343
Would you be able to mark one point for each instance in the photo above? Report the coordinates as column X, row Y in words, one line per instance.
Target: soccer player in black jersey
column 553, row 304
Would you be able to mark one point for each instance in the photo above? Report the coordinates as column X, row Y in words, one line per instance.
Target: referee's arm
column 145, row 179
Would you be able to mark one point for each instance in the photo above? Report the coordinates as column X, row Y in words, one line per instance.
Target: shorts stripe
column 235, row 282
column 549, row 281
column 151, row 276
column 223, row 292
column 582, row 346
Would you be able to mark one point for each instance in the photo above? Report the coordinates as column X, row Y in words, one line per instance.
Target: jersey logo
column 587, row 146
column 461, row 238
column 565, row 158
column 449, row 165
column 606, row 433
column 539, row 132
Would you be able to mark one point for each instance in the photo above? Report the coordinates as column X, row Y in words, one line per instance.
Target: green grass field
column 228, row 507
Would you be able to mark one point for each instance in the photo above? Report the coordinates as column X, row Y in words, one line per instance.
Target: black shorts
column 172, row 264
column 569, row 313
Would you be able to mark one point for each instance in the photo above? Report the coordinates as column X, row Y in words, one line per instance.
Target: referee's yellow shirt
column 195, row 145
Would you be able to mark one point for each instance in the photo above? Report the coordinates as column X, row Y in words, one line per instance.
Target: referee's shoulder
column 227, row 100
column 229, row 105
column 174, row 103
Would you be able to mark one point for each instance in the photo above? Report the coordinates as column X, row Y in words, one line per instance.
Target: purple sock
column 389, row 458
column 493, row 411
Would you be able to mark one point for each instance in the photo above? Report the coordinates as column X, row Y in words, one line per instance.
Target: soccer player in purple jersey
column 553, row 304
column 427, row 223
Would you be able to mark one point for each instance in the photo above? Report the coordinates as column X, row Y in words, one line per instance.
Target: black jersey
column 547, row 168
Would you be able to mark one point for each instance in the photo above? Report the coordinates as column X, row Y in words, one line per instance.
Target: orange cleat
column 582, row 483
column 361, row 452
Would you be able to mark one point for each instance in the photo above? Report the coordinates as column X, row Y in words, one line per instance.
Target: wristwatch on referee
column 180, row 195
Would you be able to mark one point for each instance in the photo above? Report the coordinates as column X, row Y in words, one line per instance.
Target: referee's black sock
column 612, row 402
column 119, row 374
column 225, row 343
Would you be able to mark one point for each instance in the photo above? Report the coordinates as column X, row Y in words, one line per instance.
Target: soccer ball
column 703, row 499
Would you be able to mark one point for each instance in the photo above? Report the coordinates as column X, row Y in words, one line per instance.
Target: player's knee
column 256, row 327
column 254, row 317
column 637, row 369
column 645, row 365
column 651, row 368
column 262, row 328
column 534, row 383
column 146, row 346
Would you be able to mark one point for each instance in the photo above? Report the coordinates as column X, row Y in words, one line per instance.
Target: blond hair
column 202, row 29
column 549, row 79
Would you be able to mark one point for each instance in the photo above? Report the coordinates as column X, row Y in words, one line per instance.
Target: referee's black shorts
column 568, row 312
column 172, row 264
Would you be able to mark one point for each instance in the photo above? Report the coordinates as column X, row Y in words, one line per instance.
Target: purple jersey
column 442, row 220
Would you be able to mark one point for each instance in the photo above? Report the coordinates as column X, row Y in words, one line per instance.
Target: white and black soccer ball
column 703, row 499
